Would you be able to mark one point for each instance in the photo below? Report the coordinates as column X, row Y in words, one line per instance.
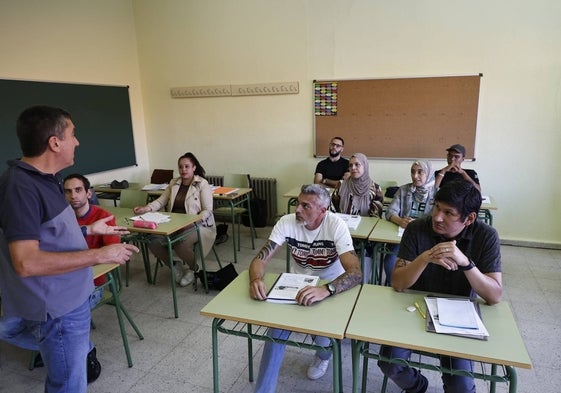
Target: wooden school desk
column 398, row 327
column 384, row 234
column 361, row 234
column 104, row 191
column 239, row 198
column 488, row 204
column 235, row 313
column 169, row 230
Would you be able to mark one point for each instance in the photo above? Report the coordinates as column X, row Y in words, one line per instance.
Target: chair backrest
column 161, row 176
column 131, row 198
column 237, row 180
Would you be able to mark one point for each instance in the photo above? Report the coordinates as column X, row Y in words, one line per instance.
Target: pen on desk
column 420, row 311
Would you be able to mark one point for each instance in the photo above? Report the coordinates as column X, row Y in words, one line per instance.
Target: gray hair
column 319, row 191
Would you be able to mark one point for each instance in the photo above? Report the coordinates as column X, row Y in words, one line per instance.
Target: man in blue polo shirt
column 45, row 264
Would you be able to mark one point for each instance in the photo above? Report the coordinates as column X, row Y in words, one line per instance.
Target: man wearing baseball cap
column 454, row 170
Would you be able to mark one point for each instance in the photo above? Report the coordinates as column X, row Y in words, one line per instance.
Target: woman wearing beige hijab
column 359, row 194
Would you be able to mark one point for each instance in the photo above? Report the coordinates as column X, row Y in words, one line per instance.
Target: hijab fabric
column 358, row 188
column 420, row 193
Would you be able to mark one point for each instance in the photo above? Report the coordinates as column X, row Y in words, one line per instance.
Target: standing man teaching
column 450, row 252
column 45, row 265
column 320, row 245
column 334, row 168
column 454, row 171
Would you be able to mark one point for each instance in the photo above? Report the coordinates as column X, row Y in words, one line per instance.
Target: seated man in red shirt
column 78, row 194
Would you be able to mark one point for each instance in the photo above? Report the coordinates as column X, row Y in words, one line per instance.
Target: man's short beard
column 334, row 155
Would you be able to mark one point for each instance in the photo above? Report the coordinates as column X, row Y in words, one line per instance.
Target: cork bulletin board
column 400, row 118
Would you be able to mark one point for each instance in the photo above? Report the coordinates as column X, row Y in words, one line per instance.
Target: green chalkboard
column 101, row 115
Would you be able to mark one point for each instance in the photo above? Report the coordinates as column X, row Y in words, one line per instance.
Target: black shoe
column 38, row 361
column 93, row 366
column 221, row 239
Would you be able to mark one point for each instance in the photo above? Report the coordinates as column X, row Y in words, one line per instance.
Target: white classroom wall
column 153, row 46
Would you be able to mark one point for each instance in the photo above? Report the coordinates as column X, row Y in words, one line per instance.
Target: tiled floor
column 175, row 355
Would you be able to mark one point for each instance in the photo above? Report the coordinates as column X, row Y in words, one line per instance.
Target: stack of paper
column 154, row 187
column 224, row 190
column 156, row 217
column 456, row 316
column 352, row 220
column 287, row 286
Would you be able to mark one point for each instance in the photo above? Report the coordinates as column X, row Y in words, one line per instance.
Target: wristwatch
column 331, row 289
column 467, row 267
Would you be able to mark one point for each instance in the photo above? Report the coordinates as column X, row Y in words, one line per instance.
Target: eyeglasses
column 335, row 145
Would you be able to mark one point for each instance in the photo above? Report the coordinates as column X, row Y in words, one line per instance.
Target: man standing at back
column 334, row 168
column 45, row 264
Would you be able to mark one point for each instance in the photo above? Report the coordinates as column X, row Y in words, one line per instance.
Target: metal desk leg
column 337, row 370
column 215, row 376
column 172, row 275
column 120, row 311
column 251, row 227
column 355, row 358
column 250, row 352
column 233, row 218
column 513, row 384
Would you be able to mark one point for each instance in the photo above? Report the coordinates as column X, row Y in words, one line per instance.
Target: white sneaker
column 187, row 278
column 318, row 368
column 178, row 272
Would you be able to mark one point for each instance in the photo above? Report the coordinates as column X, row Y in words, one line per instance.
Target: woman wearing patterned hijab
column 412, row 200
column 359, row 194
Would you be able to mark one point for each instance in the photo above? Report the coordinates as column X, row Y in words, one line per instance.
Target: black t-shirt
column 450, row 176
column 333, row 170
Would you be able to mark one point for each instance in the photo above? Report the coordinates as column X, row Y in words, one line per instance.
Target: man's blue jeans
column 408, row 378
column 64, row 344
column 271, row 359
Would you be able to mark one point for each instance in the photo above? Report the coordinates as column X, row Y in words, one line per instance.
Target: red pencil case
column 145, row 224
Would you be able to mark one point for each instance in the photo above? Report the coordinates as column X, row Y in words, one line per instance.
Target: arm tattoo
column 268, row 249
column 348, row 279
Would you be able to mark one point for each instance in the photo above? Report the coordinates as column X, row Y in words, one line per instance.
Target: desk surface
column 178, row 221
column 101, row 269
column 239, row 193
column 106, row 188
column 398, row 327
column 327, row 318
column 365, row 227
column 385, row 232
column 491, row 205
